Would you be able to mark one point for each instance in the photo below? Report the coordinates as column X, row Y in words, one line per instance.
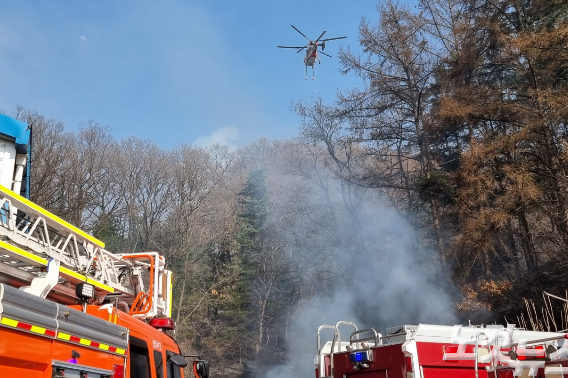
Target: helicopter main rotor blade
column 295, row 28
column 321, row 52
column 292, row 47
column 320, row 36
column 331, row 39
column 301, row 49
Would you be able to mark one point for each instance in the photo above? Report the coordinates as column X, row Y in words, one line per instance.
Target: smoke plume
column 376, row 271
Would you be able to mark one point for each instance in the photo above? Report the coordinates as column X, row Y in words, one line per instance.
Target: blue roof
column 15, row 129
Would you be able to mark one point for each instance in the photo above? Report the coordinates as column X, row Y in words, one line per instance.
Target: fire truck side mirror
column 178, row 360
column 201, row 369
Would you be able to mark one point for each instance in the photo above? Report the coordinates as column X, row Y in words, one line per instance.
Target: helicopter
column 311, row 50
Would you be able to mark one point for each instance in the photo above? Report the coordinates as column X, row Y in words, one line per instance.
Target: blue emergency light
column 359, row 357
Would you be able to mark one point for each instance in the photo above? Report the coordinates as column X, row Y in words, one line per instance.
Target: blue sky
column 174, row 71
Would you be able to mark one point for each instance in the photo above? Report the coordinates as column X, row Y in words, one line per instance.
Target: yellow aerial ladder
column 45, row 255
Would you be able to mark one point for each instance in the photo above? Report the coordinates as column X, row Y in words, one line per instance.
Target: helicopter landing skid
column 313, row 73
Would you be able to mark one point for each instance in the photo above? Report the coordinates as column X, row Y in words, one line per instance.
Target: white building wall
column 7, row 162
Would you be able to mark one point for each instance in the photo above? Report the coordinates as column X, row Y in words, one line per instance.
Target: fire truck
column 437, row 351
column 68, row 307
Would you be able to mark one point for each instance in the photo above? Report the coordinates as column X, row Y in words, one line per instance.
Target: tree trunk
column 528, row 246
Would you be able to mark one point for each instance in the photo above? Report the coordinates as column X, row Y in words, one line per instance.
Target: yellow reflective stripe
column 63, row 336
column 9, row 322
column 103, row 346
column 120, row 351
column 83, row 278
column 85, row 342
column 170, row 279
column 37, row 329
column 51, row 216
column 21, row 252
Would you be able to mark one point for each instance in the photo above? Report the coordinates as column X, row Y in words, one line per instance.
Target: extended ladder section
column 43, row 254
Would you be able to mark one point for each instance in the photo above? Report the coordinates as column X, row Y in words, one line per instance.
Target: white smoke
column 380, row 278
column 225, row 136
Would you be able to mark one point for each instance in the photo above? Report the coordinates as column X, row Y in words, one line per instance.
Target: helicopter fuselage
column 311, row 55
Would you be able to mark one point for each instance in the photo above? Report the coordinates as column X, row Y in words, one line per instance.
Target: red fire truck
column 68, row 307
column 437, row 351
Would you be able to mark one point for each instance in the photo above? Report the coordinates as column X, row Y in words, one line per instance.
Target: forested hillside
column 435, row 191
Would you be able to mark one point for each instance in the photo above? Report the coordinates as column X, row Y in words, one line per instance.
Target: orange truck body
column 41, row 339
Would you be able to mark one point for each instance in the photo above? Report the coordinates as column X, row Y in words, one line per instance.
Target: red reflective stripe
column 112, row 349
column 75, row 339
column 49, row 333
column 25, row 326
column 95, row 344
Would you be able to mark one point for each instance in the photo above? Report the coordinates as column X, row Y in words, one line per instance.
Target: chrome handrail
column 376, row 337
column 476, row 353
column 321, row 364
column 337, row 336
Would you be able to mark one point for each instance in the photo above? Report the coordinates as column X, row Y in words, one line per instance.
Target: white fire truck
column 68, row 307
column 436, row 351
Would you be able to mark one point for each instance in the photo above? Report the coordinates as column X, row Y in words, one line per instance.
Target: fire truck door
column 139, row 361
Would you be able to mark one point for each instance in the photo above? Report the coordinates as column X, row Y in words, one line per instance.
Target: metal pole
column 554, row 296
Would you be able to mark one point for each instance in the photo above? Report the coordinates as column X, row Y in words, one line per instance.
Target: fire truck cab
column 68, row 307
column 437, row 351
